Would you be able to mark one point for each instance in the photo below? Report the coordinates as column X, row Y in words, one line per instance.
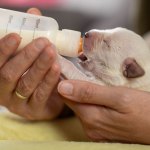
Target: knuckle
column 39, row 95
column 56, row 69
column 24, row 86
column 6, row 76
column 27, row 53
column 125, row 101
column 48, row 81
column 40, row 65
column 86, row 94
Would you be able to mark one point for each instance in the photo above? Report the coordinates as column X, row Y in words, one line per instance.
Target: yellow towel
column 65, row 134
column 13, row 127
column 58, row 145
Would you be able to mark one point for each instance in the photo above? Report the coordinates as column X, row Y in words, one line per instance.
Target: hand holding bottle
column 28, row 79
column 30, row 27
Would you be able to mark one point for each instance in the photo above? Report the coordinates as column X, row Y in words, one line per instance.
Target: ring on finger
column 20, row 96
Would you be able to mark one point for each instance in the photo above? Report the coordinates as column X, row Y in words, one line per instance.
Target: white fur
column 109, row 49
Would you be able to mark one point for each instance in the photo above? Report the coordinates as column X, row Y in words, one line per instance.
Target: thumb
column 89, row 93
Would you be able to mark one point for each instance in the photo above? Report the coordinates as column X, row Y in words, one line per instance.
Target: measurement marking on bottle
column 22, row 24
column 36, row 27
column 9, row 22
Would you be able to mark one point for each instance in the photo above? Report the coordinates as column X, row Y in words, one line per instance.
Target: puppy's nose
column 87, row 35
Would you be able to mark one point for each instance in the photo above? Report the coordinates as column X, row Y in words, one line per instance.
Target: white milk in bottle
column 29, row 27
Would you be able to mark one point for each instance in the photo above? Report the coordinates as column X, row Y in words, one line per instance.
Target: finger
column 90, row 114
column 81, row 110
column 8, row 46
column 85, row 92
column 45, row 88
column 19, row 64
column 36, row 73
column 34, row 11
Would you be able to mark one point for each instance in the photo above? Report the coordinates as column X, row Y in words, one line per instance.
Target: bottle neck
column 66, row 41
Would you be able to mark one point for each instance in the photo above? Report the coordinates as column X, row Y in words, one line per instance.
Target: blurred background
column 83, row 15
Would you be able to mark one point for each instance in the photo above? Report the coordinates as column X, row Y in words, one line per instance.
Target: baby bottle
column 29, row 27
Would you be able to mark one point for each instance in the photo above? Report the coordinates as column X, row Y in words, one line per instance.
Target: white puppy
column 112, row 57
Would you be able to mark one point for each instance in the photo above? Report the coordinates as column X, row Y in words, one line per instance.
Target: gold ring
column 20, row 96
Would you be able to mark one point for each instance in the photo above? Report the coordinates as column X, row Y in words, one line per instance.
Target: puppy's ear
column 131, row 69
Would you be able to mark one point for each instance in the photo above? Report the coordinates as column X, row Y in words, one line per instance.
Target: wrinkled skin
column 38, row 83
column 109, row 113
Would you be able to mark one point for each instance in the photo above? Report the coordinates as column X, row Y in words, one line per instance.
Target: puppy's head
column 115, row 56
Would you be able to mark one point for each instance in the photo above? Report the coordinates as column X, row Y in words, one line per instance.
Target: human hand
column 37, row 84
column 109, row 113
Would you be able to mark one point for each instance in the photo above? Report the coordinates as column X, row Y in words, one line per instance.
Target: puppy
column 116, row 57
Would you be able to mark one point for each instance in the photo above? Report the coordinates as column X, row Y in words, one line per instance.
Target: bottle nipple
column 80, row 46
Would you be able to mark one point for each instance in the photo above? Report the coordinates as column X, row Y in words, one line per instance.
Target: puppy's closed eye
column 106, row 42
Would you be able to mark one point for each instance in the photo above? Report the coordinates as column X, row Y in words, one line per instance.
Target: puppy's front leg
column 69, row 71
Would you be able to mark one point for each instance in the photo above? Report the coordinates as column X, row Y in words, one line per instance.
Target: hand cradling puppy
column 115, row 57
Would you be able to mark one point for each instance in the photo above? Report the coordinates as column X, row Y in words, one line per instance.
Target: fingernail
column 40, row 44
column 34, row 11
column 66, row 88
column 11, row 41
